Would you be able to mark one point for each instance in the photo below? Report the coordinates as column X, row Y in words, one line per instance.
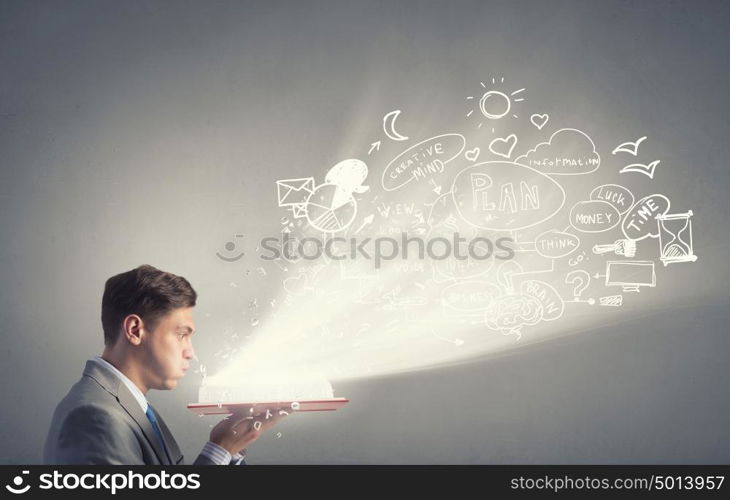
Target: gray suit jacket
column 100, row 422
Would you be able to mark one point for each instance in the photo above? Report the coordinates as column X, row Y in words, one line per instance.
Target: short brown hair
column 145, row 291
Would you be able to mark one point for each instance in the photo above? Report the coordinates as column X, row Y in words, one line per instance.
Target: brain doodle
column 511, row 312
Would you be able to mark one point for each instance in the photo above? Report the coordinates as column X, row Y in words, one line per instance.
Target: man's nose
column 189, row 352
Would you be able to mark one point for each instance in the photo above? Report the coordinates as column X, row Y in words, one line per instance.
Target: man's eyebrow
column 190, row 330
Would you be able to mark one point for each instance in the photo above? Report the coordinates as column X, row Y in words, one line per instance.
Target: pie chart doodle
column 330, row 208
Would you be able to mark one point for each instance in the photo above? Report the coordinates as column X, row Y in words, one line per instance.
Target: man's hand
column 239, row 430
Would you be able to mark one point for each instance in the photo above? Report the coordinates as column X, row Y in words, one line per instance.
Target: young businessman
column 147, row 317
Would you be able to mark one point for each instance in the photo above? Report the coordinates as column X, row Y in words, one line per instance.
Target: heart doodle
column 539, row 120
column 472, row 154
column 503, row 147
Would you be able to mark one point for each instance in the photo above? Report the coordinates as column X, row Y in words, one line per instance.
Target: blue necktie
column 153, row 420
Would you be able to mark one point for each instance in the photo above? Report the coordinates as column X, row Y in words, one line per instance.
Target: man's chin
column 170, row 384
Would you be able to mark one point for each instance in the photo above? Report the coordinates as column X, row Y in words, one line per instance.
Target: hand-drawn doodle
column 422, row 161
column 629, row 147
column 436, row 187
column 509, row 313
column 640, row 168
column 549, row 298
column 554, row 244
column 452, row 268
column 389, row 126
column 618, row 196
column 630, row 274
column 500, row 195
column 472, row 154
column 348, row 175
column 580, row 280
column 539, row 120
column 626, row 248
column 594, row 216
column 495, row 104
column 640, row 220
column 330, row 208
column 675, row 238
column 505, row 272
column 456, row 342
column 365, row 222
column 579, row 258
column 503, row 146
column 568, row 152
column 294, row 193
column 611, row 300
column 468, row 299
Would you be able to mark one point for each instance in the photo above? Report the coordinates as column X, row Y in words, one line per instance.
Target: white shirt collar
column 130, row 385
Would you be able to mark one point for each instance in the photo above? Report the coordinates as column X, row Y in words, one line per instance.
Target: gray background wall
column 136, row 132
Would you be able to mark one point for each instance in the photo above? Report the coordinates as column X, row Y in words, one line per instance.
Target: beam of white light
column 345, row 328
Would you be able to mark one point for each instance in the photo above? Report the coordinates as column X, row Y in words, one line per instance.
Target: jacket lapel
column 130, row 404
column 176, row 456
column 112, row 384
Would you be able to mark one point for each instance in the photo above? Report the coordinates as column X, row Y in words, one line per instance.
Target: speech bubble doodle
column 550, row 300
column 555, row 244
column 594, row 216
column 640, row 221
column 621, row 198
column 453, row 268
column 501, row 195
column 568, row 152
column 469, row 296
column 422, row 161
column 349, row 176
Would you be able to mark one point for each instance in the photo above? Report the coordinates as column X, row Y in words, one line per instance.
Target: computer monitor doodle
column 630, row 274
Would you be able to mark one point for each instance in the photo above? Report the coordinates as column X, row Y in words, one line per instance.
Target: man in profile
column 105, row 418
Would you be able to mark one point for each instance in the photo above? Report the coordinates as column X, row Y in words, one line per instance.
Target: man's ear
column 133, row 329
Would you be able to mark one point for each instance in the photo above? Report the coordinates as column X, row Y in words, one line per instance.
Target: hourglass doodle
column 675, row 238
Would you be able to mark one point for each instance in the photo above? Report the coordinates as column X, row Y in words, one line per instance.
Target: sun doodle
column 495, row 104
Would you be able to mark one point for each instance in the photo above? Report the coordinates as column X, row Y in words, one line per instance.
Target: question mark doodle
column 580, row 280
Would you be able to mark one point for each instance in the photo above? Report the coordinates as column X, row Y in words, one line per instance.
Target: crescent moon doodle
column 389, row 126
